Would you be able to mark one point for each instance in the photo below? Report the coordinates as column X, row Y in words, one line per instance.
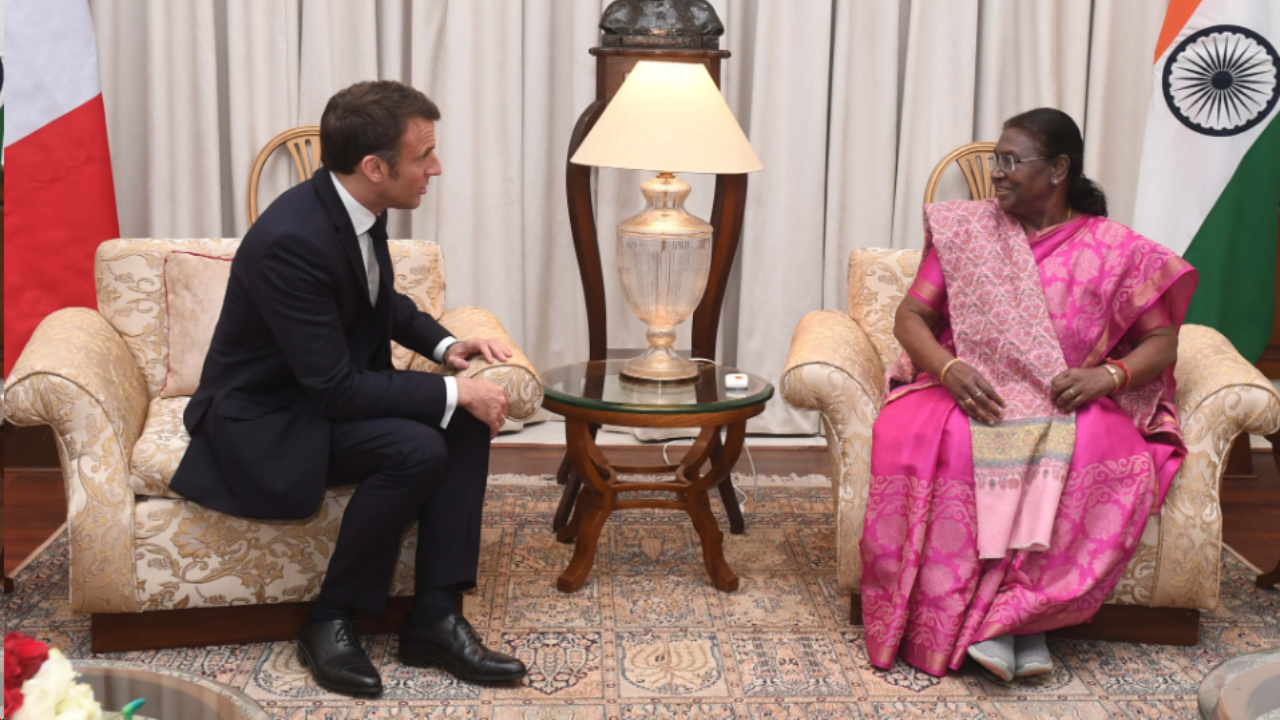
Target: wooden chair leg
column 1266, row 580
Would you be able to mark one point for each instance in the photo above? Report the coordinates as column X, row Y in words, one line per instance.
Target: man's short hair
column 369, row 118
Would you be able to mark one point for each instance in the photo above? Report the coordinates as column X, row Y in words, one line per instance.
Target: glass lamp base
column 660, row 364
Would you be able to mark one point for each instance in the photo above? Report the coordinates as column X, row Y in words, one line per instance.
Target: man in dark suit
column 298, row 393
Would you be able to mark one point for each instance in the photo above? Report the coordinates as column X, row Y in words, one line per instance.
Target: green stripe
column 1235, row 251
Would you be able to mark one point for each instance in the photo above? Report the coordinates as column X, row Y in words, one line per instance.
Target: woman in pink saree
column 1029, row 428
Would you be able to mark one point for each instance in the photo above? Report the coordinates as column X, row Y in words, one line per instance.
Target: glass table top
column 599, row 385
column 168, row 693
column 1243, row 688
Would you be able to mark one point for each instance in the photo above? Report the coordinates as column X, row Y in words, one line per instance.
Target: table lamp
column 666, row 117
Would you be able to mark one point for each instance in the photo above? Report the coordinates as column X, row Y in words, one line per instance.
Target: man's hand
column 494, row 351
column 486, row 401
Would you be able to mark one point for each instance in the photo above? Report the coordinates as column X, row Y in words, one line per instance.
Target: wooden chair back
column 972, row 159
column 303, row 143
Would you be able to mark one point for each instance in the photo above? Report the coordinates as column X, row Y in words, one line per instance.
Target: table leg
column 594, row 505
column 594, row 510
column 567, row 500
column 712, row 543
column 728, row 496
column 572, row 484
column 723, row 457
column 562, row 475
column 569, row 531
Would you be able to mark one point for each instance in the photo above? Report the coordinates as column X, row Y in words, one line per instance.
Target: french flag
column 60, row 200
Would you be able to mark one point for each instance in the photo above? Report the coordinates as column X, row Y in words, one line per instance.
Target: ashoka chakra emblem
column 1222, row 80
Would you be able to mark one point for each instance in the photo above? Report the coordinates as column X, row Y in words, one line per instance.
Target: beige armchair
column 138, row 547
column 837, row 367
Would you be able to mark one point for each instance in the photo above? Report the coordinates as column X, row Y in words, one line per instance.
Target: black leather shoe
column 337, row 661
column 452, row 644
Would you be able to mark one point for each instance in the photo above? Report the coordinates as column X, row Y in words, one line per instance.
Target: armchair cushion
column 195, row 286
column 160, row 448
column 190, row 556
column 878, row 280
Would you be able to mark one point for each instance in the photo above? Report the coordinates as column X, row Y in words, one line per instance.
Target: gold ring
column 968, row 402
column 1072, row 391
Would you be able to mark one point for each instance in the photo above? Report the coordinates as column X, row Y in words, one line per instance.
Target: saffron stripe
column 1180, row 11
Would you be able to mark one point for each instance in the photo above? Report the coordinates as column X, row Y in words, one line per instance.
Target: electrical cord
column 755, row 478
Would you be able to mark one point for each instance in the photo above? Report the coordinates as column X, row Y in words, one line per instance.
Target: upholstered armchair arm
column 834, row 369
column 516, row 375
column 77, row 375
column 1219, row 396
column 1217, row 385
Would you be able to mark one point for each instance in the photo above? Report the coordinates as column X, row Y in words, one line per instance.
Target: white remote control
column 735, row 381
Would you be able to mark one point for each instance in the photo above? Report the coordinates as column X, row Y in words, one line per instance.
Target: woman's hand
column 974, row 394
column 1073, row 388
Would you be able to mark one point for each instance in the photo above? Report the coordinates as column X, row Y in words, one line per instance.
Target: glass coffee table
column 591, row 394
column 169, row 693
column 1243, row 688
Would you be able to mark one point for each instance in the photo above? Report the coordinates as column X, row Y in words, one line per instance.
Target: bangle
column 942, row 376
column 1115, row 376
column 1128, row 378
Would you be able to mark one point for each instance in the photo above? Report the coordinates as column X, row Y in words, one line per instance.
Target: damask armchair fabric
column 837, row 367
column 95, row 378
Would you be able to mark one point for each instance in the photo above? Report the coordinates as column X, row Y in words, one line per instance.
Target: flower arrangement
column 40, row 684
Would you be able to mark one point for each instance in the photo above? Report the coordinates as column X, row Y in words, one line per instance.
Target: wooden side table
column 594, row 393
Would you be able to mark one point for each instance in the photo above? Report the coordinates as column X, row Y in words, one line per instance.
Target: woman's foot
column 1032, row 653
column 996, row 655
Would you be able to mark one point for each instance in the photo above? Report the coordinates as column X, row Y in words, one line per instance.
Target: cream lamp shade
column 668, row 117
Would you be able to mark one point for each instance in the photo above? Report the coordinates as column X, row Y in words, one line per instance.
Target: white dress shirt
column 362, row 219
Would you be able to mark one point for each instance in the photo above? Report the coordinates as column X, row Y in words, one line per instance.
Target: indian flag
column 60, row 201
column 1209, row 184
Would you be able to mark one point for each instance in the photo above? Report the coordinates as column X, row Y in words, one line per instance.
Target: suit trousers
column 405, row 471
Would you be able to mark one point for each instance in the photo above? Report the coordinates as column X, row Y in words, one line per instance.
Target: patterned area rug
column 649, row 637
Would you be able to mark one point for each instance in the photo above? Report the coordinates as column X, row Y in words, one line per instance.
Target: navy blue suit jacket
column 297, row 347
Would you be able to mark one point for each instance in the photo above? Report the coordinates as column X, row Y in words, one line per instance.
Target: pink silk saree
column 972, row 532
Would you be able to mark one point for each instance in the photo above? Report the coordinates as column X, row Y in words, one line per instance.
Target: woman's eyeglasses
column 1008, row 163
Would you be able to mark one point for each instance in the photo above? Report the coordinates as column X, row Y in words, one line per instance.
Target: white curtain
column 849, row 105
